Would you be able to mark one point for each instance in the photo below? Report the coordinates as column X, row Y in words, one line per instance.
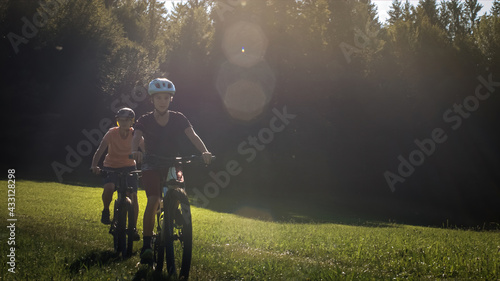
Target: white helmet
column 125, row 112
column 161, row 85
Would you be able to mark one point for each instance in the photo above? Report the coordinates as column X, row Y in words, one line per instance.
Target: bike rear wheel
column 119, row 229
column 178, row 233
column 130, row 230
column 123, row 237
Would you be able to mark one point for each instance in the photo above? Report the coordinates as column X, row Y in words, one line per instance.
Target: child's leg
column 107, row 194
column 135, row 205
column 151, row 182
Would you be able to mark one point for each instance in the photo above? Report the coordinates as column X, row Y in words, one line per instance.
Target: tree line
column 400, row 115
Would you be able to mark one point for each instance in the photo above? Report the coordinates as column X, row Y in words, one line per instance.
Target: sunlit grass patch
column 59, row 236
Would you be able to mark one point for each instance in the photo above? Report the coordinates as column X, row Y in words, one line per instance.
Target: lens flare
column 244, row 44
column 245, row 100
column 245, row 92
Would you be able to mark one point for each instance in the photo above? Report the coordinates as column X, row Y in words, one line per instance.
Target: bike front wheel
column 178, row 233
column 159, row 246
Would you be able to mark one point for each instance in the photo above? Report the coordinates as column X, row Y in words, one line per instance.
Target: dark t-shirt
column 163, row 140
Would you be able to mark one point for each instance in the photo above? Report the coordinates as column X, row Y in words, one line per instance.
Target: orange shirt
column 119, row 149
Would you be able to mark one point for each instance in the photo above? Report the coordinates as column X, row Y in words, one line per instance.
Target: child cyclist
column 160, row 129
column 118, row 141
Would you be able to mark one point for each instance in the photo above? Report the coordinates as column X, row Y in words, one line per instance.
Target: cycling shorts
column 113, row 177
column 151, row 179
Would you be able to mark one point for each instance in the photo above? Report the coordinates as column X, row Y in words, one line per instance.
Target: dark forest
column 315, row 105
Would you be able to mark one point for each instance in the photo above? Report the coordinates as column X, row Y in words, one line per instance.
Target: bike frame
column 122, row 207
column 174, row 202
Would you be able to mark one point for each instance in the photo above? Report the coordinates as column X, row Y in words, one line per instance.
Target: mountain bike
column 173, row 240
column 123, row 211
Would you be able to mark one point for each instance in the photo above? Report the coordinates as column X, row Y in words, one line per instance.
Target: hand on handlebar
column 207, row 157
column 137, row 156
column 96, row 170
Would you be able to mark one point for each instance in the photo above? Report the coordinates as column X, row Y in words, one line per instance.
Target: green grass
column 59, row 237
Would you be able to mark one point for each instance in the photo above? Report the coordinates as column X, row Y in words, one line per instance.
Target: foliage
column 363, row 90
column 188, row 39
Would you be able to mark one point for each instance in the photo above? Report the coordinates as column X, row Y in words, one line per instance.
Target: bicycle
column 173, row 240
column 123, row 211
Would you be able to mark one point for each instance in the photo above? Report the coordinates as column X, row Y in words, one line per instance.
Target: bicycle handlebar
column 179, row 159
column 104, row 171
column 108, row 170
column 165, row 161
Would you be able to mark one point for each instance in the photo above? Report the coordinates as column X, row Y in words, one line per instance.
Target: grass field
column 58, row 236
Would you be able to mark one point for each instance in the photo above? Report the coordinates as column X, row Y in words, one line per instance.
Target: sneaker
column 147, row 256
column 105, row 217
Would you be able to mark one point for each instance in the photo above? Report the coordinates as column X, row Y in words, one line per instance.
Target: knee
column 153, row 200
column 109, row 188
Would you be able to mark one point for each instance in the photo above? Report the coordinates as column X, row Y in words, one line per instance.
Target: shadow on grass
column 104, row 258
column 147, row 274
column 94, row 259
